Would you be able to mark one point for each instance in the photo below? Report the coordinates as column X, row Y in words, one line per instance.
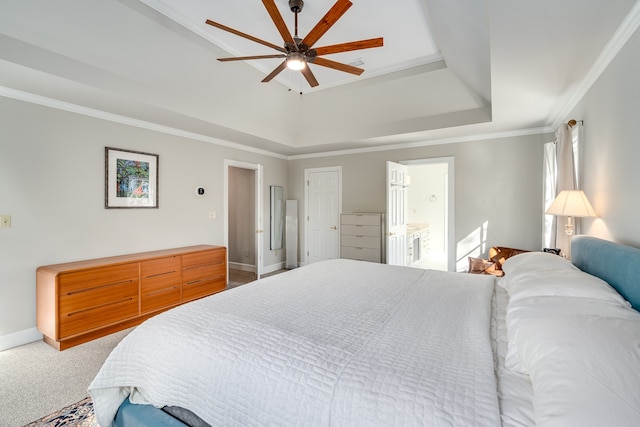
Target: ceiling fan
column 297, row 52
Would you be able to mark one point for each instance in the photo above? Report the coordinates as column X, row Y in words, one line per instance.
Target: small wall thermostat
column 200, row 191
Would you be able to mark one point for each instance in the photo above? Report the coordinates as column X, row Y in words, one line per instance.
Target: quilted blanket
column 334, row 343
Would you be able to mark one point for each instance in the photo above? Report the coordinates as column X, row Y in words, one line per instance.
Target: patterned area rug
column 78, row 415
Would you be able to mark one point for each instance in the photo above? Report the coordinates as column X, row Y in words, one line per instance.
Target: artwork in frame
column 131, row 179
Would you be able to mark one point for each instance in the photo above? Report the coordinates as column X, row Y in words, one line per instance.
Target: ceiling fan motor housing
column 296, row 5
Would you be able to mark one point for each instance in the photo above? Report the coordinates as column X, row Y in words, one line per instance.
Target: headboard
column 616, row 264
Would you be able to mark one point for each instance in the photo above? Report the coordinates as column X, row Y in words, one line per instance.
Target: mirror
column 277, row 216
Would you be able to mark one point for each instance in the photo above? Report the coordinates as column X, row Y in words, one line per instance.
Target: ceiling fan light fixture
column 296, row 61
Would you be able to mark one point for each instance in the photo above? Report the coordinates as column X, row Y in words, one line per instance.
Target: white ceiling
column 448, row 70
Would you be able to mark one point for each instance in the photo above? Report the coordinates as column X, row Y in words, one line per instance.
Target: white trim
column 257, row 168
column 252, row 269
column 626, row 29
column 273, row 267
column 116, row 118
column 242, row 267
column 305, row 254
column 19, row 338
column 451, row 197
column 417, row 144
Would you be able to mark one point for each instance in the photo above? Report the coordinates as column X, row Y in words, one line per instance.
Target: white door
column 323, row 197
column 396, row 214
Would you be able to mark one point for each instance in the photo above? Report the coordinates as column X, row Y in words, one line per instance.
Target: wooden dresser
column 79, row 301
column 361, row 236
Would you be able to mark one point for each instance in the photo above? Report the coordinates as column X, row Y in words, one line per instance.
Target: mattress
column 340, row 342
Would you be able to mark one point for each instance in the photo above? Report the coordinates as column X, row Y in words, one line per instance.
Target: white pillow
column 531, row 309
column 529, row 261
column 583, row 362
column 567, row 282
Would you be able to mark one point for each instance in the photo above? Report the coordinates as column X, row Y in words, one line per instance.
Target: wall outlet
column 5, row 221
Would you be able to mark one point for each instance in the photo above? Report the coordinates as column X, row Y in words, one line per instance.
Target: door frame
column 338, row 169
column 450, row 241
column 259, row 230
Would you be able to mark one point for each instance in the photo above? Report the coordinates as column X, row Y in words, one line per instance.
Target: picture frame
column 131, row 179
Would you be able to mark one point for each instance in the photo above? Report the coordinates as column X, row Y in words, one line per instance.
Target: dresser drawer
column 159, row 299
column 95, row 307
column 158, row 274
column 360, row 219
column 200, row 258
column 362, row 254
column 97, row 278
column 203, row 265
column 372, row 242
column 360, row 230
column 203, row 274
column 202, row 287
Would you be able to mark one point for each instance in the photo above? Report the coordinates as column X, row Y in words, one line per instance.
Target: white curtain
column 566, row 179
column 550, row 177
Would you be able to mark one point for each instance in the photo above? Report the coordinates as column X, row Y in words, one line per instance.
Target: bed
column 347, row 342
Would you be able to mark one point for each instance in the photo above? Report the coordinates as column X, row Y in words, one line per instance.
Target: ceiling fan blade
column 246, row 36
column 338, row 66
column 338, row 9
column 311, row 79
column 276, row 17
column 275, row 72
column 246, row 58
column 346, row 47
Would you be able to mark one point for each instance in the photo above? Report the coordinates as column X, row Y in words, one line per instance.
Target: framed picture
column 131, row 179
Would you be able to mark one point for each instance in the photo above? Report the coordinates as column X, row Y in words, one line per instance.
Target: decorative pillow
column 530, row 261
column 565, row 283
column 499, row 254
column 555, row 251
column 482, row 266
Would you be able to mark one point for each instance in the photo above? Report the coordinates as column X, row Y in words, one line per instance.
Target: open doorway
column 430, row 213
column 243, row 220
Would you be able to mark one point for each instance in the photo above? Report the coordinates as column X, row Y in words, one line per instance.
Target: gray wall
column 52, row 184
column 497, row 183
column 610, row 171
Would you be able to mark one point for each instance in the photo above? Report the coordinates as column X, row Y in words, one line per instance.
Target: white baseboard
column 273, row 267
column 242, row 267
column 252, row 268
column 19, row 338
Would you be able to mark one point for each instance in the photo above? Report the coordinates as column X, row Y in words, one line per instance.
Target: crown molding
column 117, row 118
column 426, row 143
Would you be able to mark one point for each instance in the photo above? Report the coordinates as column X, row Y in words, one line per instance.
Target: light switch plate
column 5, row 221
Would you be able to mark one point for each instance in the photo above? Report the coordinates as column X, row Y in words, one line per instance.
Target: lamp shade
column 571, row 203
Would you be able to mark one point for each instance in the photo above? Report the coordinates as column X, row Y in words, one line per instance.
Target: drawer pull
column 100, row 306
column 195, row 267
column 207, row 279
column 80, row 291
column 160, row 274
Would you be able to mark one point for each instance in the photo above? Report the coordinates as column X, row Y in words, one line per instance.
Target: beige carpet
column 36, row 379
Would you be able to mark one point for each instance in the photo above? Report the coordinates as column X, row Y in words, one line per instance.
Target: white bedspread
column 333, row 343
